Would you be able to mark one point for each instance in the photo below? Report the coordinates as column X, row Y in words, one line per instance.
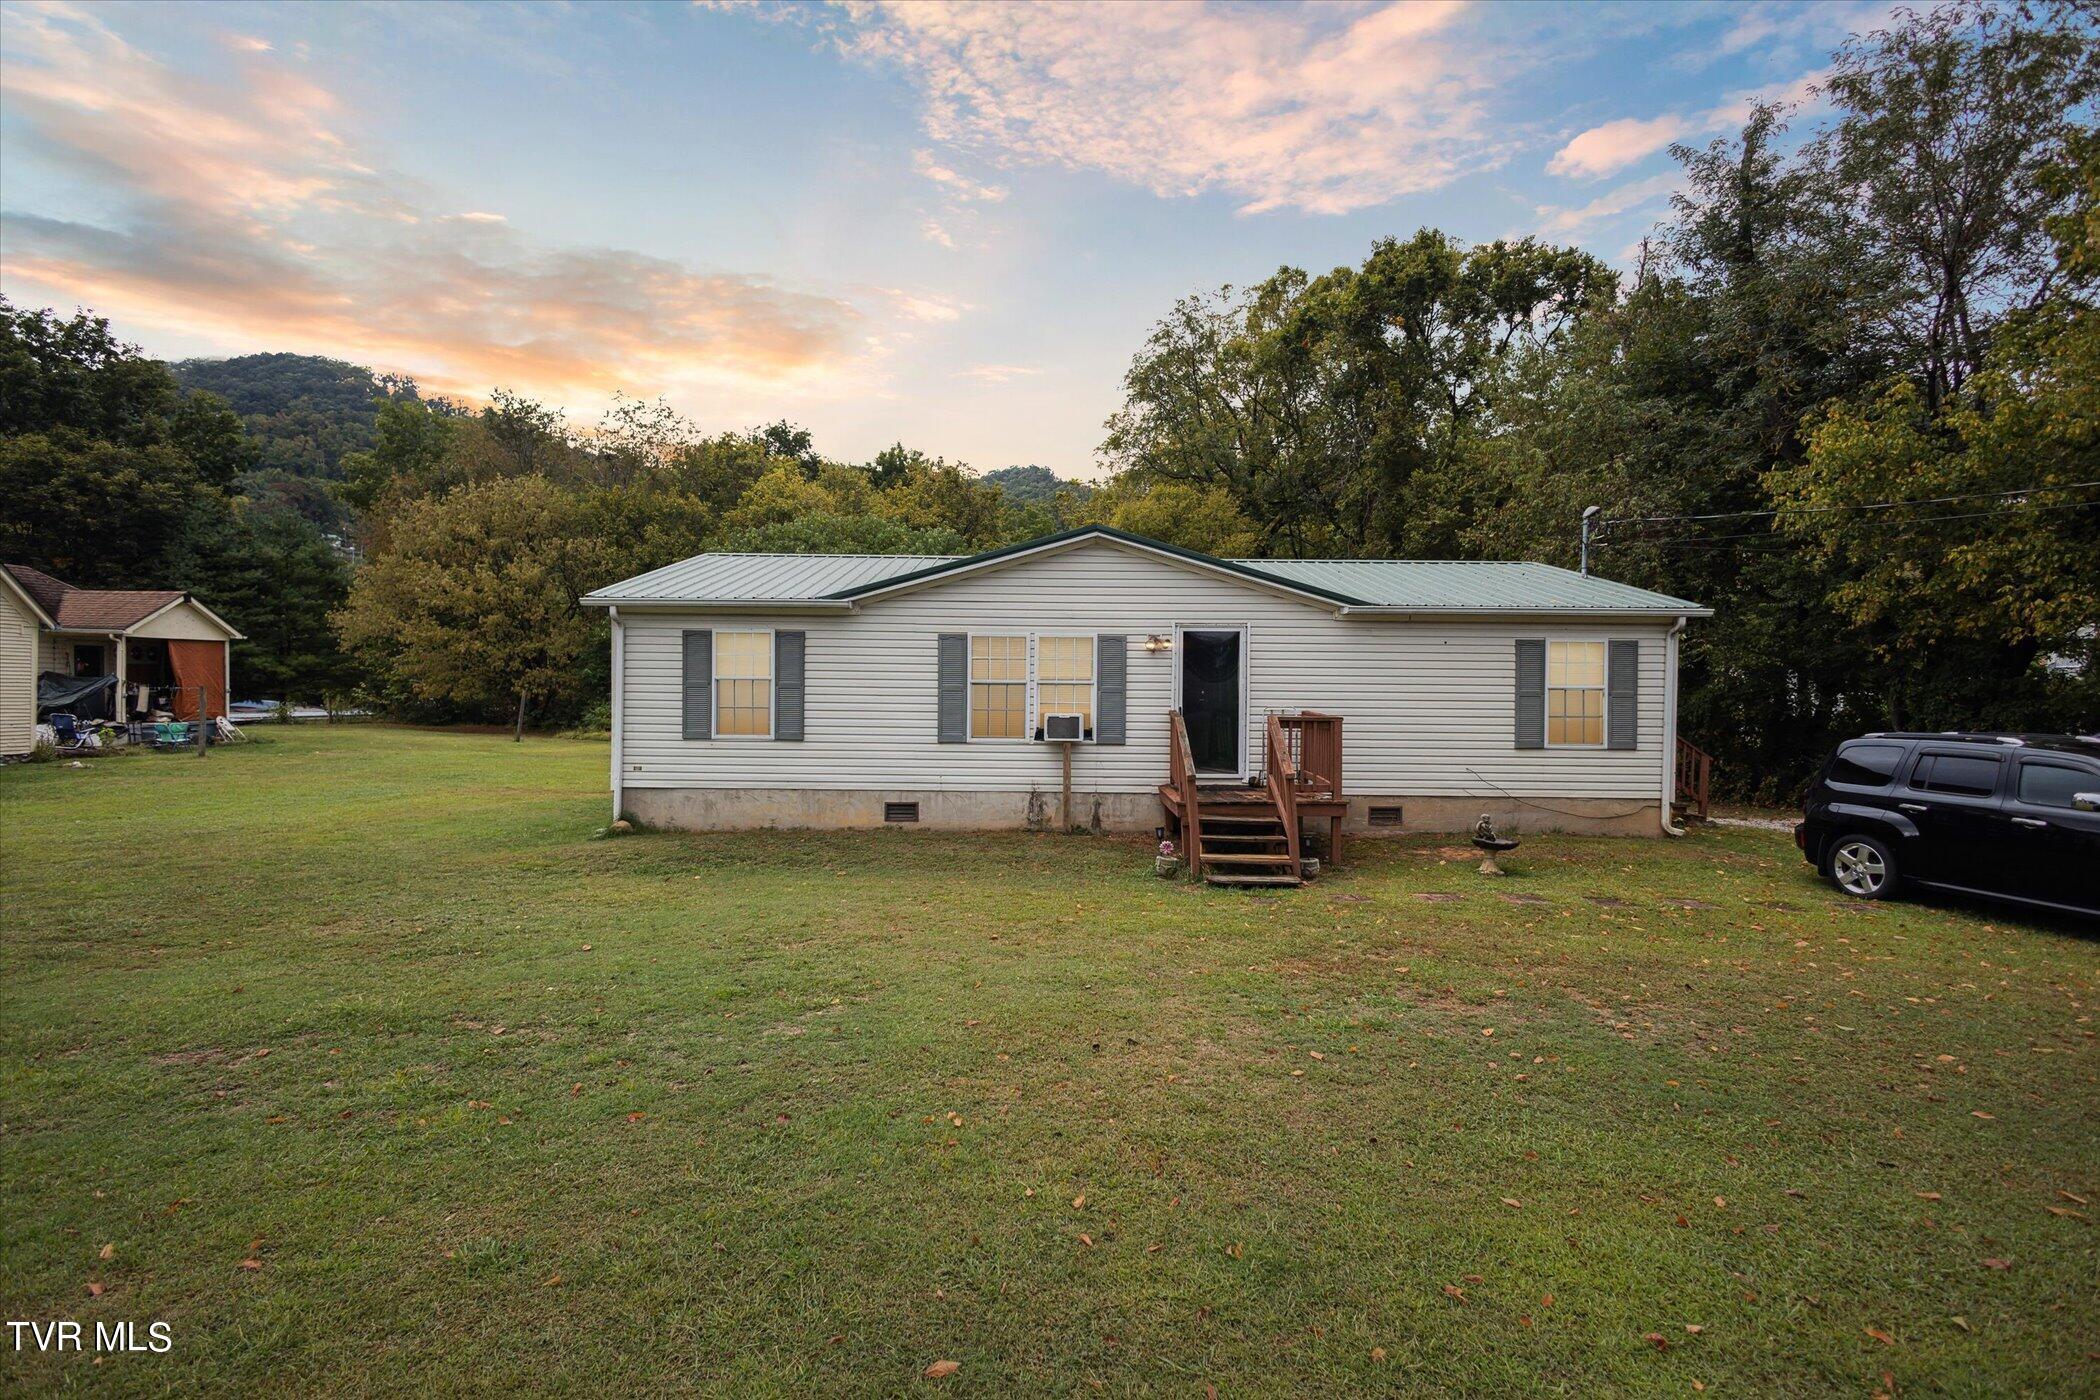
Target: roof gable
column 1026, row 550
column 70, row 609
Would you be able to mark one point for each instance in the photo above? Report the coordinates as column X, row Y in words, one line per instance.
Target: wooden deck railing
column 1283, row 788
column 1313, row 745
column 1181, row 772
column 1695, row 779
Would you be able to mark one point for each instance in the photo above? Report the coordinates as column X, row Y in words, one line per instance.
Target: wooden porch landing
column 1235, row 834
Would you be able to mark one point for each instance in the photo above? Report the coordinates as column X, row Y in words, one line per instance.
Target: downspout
column 1669, row 764
column 619, row 667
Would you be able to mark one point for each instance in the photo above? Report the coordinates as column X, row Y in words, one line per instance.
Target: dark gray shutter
column 1531, row 695
column 787, row 685
column 1111, row 682
column 952, row 656
column 699, row 685
column 1622, row 695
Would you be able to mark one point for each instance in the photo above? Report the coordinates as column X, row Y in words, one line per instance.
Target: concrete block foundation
column 731, row 809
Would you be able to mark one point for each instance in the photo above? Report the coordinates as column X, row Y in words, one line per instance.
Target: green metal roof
column 1399, row 585
column 1474, row 586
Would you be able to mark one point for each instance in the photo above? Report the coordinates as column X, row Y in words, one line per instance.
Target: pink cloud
column 1324, row 110
column 254, row 219
column 1616, row 145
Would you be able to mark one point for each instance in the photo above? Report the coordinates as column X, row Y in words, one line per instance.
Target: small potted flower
column 1166, row 864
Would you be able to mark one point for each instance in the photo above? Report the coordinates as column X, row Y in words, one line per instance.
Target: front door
column 1211, row 685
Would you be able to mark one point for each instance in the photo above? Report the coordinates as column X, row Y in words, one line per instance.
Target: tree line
column 1846, row 395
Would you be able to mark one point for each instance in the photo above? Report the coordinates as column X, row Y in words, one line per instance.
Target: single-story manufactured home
column 849, row 690
column 157, row 647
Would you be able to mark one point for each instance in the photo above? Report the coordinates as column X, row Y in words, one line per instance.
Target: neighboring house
column 159, row 646
column 831, row 690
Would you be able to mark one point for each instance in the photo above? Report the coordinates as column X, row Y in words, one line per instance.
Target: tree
column 474, row 600
column 411, row 446
column 1949, row 122
column 102, row 456
column 275, row 577
column 1331, row 409
column 2012, row 557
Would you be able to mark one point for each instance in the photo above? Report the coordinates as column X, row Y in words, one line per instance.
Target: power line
column 1872, row 525
column 1871, row 505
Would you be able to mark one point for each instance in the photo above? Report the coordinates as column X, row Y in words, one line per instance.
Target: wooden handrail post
column 1282, row 791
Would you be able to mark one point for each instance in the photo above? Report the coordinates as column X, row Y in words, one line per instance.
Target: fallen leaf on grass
column 1927, row 1195
column 1656, row 1340
column 1694, row 1328
column 251, row 1265
column 1087, row 1240
column 94, row 1290
column 1513, row 1203
column 2073, row 1197
column 1979, row 1113
column 1452, row 1290
column 636, row 1116
column 1961, row 1322
column 1316, row 1054
column 1236, row 1250
column 109, row 1251
column 1999, row 1264
column 940, row 1369
column 1880, row 1336
column 1079, row 1201
column 2053, row 1210
column 551, row 1281
column 1378, row 1353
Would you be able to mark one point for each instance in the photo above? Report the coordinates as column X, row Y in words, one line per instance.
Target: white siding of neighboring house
column 18, row 666
column 183, row 622
column 1428, row 707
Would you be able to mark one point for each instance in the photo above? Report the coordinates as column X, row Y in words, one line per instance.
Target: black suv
column 2011, row 816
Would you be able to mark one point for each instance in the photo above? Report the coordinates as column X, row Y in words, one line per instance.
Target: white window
column 1575, row 694
column 999, row 687
column 1064, row 678
column 744, row 684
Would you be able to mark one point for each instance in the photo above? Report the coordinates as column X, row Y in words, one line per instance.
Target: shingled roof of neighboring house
column 93, row 609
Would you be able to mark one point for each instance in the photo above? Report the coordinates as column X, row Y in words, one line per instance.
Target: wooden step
column 1236, row 819
column 1269, row 837
column 1242, row 858
column 1253, row 879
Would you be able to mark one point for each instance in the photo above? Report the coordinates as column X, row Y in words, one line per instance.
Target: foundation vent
column 1385, row 816
column 900, row 811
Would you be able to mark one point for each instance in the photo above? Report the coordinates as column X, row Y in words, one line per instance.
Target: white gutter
column 619, row 655
column 1669, row 764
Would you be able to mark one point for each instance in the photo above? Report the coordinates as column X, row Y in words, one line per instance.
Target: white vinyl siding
column 1428, row 707
column 18, row 667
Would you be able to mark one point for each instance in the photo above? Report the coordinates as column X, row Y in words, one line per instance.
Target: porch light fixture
column 1159, row 641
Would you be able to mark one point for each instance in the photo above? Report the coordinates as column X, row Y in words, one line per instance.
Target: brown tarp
column 195, row 664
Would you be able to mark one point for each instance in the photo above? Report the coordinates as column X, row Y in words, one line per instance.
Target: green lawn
column 372, row 1068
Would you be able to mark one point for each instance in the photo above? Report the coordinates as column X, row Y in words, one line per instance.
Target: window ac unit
column 1064, row 729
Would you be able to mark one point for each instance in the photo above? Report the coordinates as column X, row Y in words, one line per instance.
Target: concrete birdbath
column 1491, row 845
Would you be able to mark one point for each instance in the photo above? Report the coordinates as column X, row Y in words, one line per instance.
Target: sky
column 950, row 225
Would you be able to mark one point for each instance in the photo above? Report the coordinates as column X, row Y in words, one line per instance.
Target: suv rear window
column 1958, row 774
column 2052, row 784
column 1865, row 765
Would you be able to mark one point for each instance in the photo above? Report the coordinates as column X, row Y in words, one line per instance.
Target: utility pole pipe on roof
column 1589, row 513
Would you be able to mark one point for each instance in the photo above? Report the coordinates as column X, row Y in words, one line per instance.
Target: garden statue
column 1490, row 844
